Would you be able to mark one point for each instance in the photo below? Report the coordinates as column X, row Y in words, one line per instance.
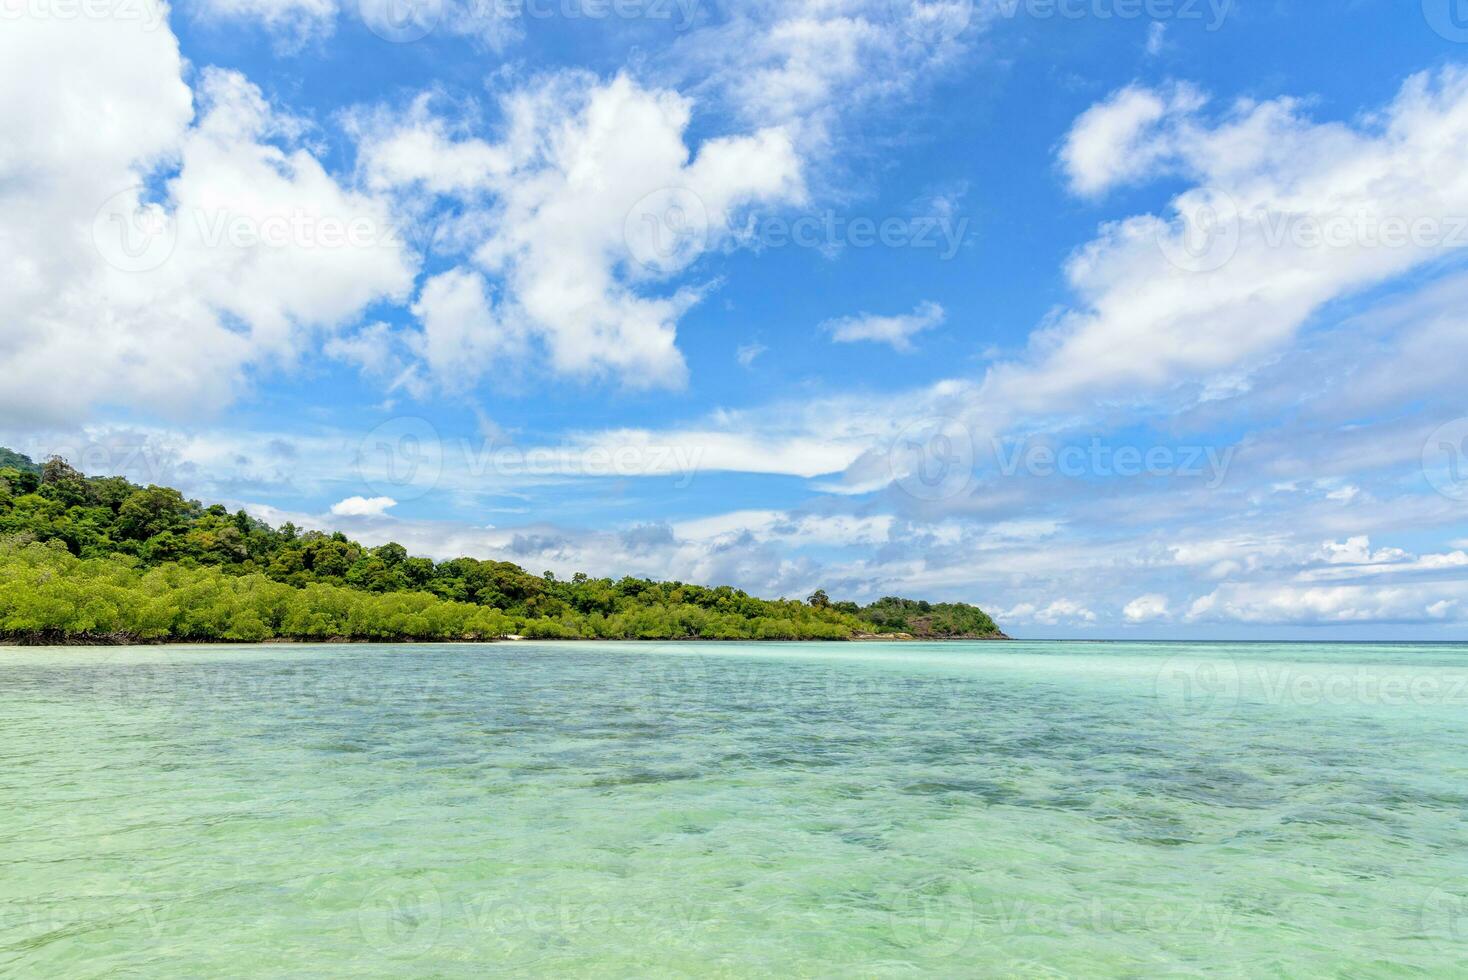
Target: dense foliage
column 944, row 620
column 100, row 557
column 14, row 460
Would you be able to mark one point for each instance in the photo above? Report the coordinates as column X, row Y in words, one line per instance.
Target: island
column 100, row 560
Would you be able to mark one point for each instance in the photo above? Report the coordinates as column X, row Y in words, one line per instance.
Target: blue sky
column 1121, row 318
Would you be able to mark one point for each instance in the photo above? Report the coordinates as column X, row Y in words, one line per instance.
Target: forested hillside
column 98, row 558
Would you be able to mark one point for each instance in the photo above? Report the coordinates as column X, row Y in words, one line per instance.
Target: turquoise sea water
column 1045, row 809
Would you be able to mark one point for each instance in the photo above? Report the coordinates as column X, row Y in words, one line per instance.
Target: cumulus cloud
column 1146, row 609
column 162, row 296
column 1285, row 216
column 463, row 334
column 363, row 506
column 1124, row 138
column 1058, row 612
column 591, row 198
column 803, row 63
column 1327, row 605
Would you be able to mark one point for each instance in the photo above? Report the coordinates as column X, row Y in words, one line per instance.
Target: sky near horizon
column 1120, row 318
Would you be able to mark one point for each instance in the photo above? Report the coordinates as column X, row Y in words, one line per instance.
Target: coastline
column 115, row 640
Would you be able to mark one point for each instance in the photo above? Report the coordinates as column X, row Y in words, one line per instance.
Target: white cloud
column 746, row 354
column 423, row 150
column 1061, row 611
column 590, row 199
column 463, row 335
column 1146, row 609
column 1355, row 560
column 113, row 298
column 1237, row 272
column 897, row 331
column 296, row 21
column 369, row 349
column 1442, row 610
column 1357, row 551
column 1119, row 141
column 797, row 530
column 1323, row 605
column 800, row 62
column 1156, row 37
column 363, row 506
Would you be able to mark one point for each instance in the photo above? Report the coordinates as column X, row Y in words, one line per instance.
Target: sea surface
column 740, row 810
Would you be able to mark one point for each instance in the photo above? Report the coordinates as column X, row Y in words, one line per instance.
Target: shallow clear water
column 1019, row 809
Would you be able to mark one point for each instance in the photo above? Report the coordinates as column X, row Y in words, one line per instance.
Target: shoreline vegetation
column 99, row 561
